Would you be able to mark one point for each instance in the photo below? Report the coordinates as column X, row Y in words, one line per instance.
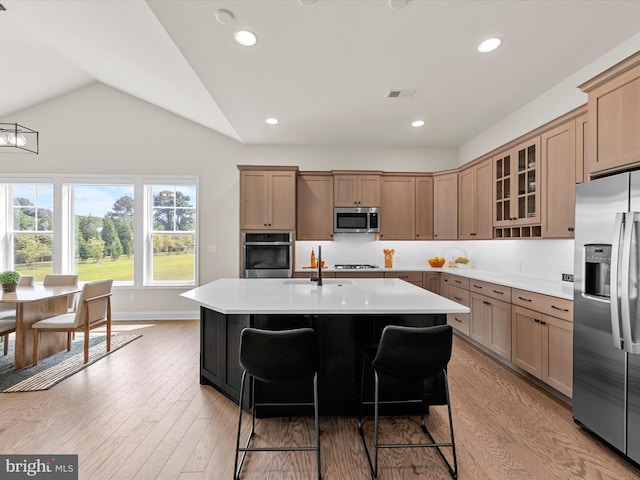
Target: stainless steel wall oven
column 267, row 255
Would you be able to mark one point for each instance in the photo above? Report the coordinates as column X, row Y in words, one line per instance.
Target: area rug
column 57, row 367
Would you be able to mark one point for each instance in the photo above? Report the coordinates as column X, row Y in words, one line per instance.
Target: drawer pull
column 525, row 299
column 542, row 322
column 486, row 303
column 561, row 309
column 498, row 292
column 457, row 319
column 458, row 298
column 536, row 320
column 458, row 281
column 476, row 286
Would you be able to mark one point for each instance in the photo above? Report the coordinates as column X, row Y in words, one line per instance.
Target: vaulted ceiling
column 323, row 68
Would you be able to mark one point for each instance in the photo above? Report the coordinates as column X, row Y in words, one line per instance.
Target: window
column 172, row 234
column 103, row 229
column 30, row 228
column 138, row 231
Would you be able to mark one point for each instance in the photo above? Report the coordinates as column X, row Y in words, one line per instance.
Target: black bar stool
column 277, row 357
column 410, row 353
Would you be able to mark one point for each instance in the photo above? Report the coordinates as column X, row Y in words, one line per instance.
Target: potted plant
column 9, row 280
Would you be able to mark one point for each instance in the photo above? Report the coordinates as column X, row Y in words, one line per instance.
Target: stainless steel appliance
column 606, row 358
column 267, row 255
column 356, row 220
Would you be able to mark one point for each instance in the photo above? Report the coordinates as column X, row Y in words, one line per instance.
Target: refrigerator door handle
column 614, row 296
column 631, row 219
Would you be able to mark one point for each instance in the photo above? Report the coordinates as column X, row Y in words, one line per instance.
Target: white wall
column 544, row 259
column 561, row 99
column 100, row 130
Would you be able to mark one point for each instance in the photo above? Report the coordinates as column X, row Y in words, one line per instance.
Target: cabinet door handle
column 476, row 286
column 457, row 319
column 458, row 298
column 458, row 281
column 542, row 322
column 498, row 292
column 524, row 299
column 445, row 280
column 561, row 309
column 472, row 234
column 486, row 303
column 536, row 320
column 570, row 229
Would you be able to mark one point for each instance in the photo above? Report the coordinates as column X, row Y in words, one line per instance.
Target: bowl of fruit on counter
column 436, row 262
column 461, row 262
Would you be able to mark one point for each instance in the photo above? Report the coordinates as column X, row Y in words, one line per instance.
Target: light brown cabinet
column 445, row 206
column 267, row 198
column 397, row 208
column 356, row 190
column 558, row 179
column 491, row 323
column 431, row 282
column 475, row 205
column 614, row 117
column 314, row 206
column 411, row 277
column 543, row 346
column 582, row 160
column 459, row 321
column 406, row 207
column 516, row 184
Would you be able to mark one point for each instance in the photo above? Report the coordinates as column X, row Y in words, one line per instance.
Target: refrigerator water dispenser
column 597, row 266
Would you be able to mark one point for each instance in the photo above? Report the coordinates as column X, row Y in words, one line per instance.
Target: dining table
column 35, row 303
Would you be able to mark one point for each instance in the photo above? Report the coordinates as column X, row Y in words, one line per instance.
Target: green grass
column 178, row 267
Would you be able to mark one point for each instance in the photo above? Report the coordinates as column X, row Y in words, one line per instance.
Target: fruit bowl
column 436, row 262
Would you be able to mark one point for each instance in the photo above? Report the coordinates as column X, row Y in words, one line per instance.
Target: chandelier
column 15, row 138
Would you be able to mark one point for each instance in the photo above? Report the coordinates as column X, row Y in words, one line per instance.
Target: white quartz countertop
column 545, row 287
column 335, row 296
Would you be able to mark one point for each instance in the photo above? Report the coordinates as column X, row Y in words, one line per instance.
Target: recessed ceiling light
column 224, row 16
column 417, row 123
column 395, row 4
column 272, row 121
column 246, row 38
column 489, row 45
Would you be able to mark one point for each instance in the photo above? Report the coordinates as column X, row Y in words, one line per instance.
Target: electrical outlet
column 567, row 277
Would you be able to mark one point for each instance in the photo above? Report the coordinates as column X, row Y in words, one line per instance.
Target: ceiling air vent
column 401, row 93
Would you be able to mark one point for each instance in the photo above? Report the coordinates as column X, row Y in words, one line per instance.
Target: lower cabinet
column 411, row 277
column 491, row 324
column 431, row 282
column 543, row 346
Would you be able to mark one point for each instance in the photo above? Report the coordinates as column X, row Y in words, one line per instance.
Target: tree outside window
column 172, row 234
column 32, row 235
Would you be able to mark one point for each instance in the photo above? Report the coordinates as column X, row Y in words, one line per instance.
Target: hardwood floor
column 141, row 414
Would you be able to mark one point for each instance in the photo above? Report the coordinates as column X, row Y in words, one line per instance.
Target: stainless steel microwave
column 356, row 220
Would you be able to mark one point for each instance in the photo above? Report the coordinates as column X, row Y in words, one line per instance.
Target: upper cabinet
column 475, row 202
column 406, row 207
column 558, row 176
column 267, row 198
column 614, row 117
column 314, row 206
column 356, row 190
column 516, row 191
column 445, row 206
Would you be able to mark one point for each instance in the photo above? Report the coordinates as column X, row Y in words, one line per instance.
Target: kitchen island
column 347, row 315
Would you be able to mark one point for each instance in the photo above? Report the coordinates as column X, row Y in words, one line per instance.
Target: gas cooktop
column 356, row 266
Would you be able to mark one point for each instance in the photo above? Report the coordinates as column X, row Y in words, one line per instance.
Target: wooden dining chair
column 94, row 310
column 8, row 314
column 63, row 280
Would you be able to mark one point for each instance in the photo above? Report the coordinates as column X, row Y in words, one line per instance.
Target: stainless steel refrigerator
column 606, row 358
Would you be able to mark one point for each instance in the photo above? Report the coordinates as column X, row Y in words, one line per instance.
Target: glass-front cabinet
column 516, row 191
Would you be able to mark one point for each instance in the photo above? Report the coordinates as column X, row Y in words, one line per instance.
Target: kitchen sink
column 325, row 281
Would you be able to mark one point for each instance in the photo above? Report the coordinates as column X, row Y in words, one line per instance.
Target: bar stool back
column 276, row 357
column 410, row 353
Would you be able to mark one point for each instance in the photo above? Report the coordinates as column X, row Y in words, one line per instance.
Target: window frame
column 63, row 242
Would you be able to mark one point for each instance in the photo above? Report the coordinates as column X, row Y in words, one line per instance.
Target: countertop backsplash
column 542, row 259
